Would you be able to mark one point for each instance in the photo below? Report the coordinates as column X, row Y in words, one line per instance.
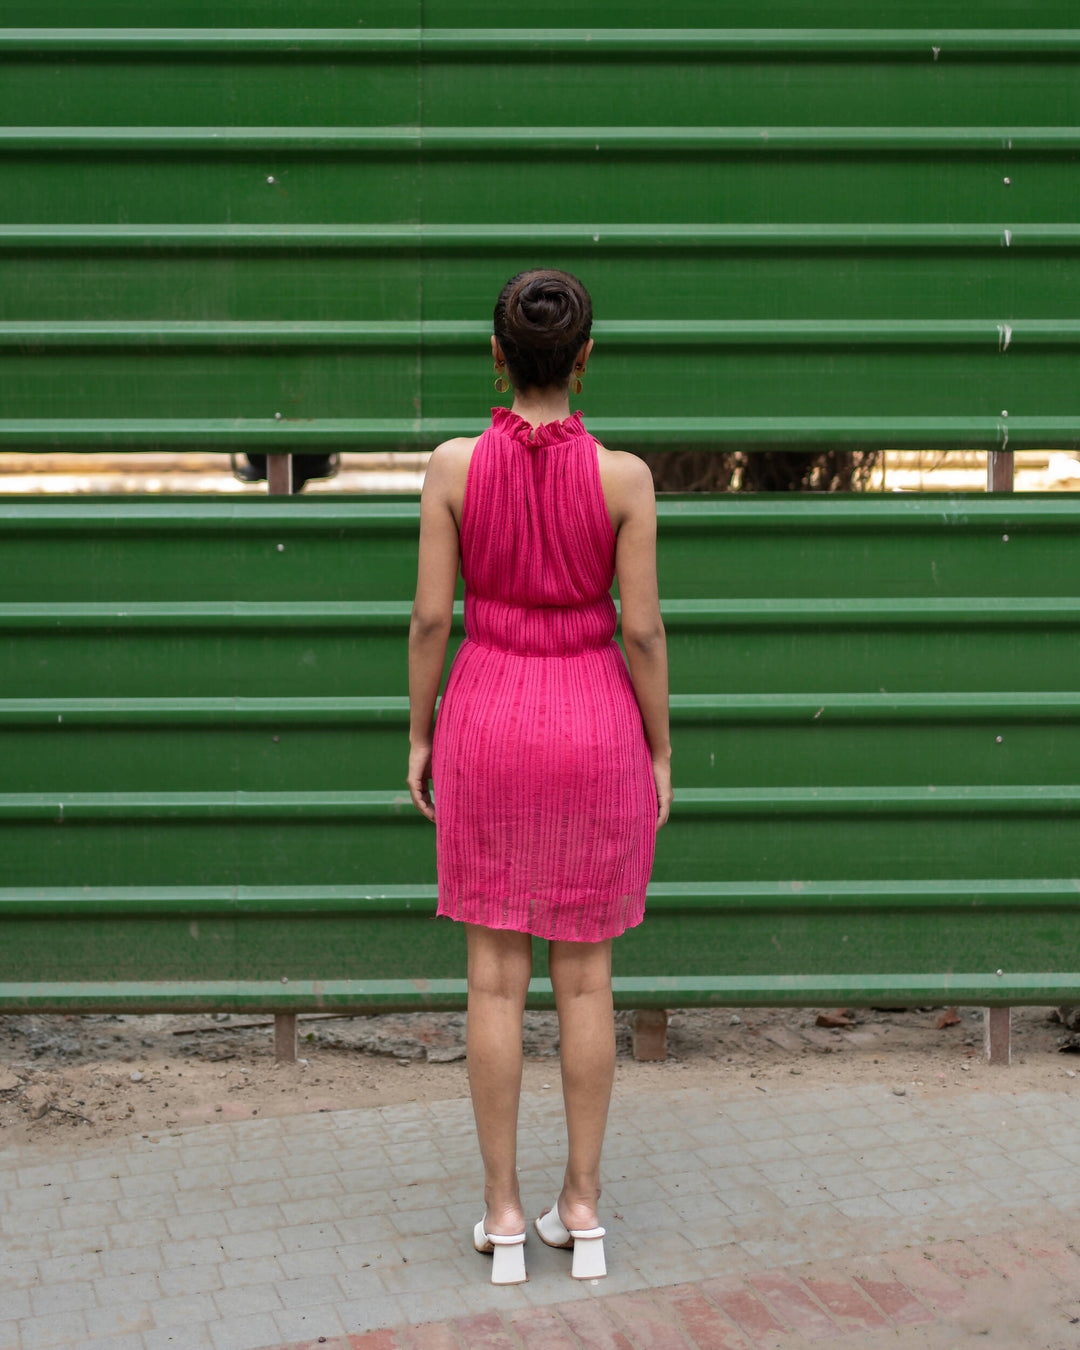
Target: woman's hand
column 661, row 771
column 419, row 779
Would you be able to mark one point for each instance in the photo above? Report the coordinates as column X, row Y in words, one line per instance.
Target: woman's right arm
column 642, row 627
column 433, row 608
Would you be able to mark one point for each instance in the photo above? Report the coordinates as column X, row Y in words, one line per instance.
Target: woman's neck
column 537, row 406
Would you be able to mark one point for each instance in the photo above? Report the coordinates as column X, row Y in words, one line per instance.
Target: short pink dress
column 545, row 805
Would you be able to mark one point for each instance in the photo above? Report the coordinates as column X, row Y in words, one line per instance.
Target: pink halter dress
column 544, row 797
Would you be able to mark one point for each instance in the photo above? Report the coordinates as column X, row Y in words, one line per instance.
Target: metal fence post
column 999, row 471
column 279, row 475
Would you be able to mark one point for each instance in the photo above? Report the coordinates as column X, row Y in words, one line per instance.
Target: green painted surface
column 338, row 551
column 268, row 276
column 858, row 233
column 345, row 838
column 719, row 741
column 287, row 949
column 872, row 170
column 876, row 725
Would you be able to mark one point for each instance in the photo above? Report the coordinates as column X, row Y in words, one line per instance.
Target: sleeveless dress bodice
column 537, row 547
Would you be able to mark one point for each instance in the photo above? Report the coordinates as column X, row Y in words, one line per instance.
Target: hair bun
column 543, row 311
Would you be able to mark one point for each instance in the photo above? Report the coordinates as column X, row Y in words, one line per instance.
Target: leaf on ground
column 949, row 1018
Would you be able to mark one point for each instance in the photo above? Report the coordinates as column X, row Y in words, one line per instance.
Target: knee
column 499, row 965
column 577, row 988
column 580, row 972
column 494, row 982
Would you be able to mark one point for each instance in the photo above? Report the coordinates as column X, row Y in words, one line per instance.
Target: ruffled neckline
column 548, row 433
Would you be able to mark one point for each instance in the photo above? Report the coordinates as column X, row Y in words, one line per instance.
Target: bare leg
column 500, row 964
column 581, row 979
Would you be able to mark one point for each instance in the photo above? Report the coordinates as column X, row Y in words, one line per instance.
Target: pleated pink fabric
column 545, row 804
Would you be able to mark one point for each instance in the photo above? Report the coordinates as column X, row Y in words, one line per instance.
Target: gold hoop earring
column 502, row 384
column 575, row 384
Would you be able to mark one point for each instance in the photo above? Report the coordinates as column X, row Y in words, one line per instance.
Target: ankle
column 579, row 1203
column 503, row 1212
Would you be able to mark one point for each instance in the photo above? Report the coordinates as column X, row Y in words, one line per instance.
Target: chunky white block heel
column 507, row 1255
column 588, row 1244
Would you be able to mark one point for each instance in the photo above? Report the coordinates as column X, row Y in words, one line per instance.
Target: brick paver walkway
column 983, row 1289
column 837, row 1217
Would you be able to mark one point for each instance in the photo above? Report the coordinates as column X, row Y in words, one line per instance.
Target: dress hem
column 544, row 937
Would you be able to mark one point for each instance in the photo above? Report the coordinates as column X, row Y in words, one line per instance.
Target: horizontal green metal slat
column 746, row 14
column 801, row 378
column 337, row 517
column 963, row 612
column 766, row 989
column 104, row 900
column 737, row 14
column 647, row 186
column 313, row 280
column 925, row 612
column 219, row 711
column 978, row 936
column 229, row 13
column 218, row 657
column 287, row 616
column 723, row 708
column 585, row 41
column 759, row 990
column 183, row 994
column 335, row 370
column 1000, row 335
column 1014, row 140
column 280, row 756
column 314, row 436
column 914, row 516
column 948, row 515
column 857, row 708
column 60, row 746
column 945, row 514
column 720, row 84
column 983, row 893
column 61, row 758
column 934, row 800
column 483, row 235
column 380, row 843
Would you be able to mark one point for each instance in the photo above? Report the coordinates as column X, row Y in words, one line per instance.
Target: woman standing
column 551, row 761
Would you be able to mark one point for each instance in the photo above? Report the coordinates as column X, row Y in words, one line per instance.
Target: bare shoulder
column 449, row 465
column 626, row 480
column 623, row 467
column 451, row 454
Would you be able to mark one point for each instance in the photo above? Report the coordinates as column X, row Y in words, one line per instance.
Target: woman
column 551, row 762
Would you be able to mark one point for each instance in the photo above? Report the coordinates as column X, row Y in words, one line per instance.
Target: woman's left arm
column 433, row 608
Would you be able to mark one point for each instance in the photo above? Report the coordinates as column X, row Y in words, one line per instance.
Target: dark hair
column 542, row 320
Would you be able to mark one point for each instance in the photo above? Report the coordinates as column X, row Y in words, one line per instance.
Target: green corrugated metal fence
column 257, row 235
column 876, row 733
column 861, row 232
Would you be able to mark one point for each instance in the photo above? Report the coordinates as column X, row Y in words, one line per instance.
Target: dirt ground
column 69, row 1079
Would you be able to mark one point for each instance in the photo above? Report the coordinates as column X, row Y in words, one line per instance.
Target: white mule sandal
column 507, row 1255
column 588, row 1244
